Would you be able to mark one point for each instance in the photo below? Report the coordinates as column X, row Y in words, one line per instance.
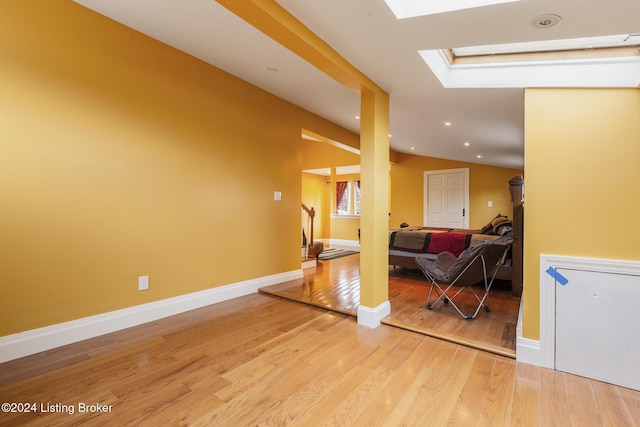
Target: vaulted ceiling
column 369, row 36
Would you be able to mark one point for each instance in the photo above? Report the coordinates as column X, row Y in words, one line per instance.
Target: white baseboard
column 309, row 263
column 527, row 350
column 371, row 317
column 42, row 339
column 352, row 245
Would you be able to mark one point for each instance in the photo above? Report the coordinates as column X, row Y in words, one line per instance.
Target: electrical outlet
column 143, row 283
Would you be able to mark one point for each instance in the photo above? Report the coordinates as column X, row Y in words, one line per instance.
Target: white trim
column 41, row 339
column 344, row 244
column 309, row 263
column 371, row 317
column 548, row 295
column 425, row 191
column 527, row 350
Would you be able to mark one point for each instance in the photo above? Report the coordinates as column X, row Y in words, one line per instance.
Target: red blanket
column 448, row 242
column 429, row 241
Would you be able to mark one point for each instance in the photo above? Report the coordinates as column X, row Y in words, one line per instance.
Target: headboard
column 516, row 187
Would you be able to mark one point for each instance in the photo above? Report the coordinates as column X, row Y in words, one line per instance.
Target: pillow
column 488, row 229
column 498, row 220
column 503, row 228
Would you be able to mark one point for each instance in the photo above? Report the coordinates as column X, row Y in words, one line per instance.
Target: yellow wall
column 485, row 183
column 123, row 157
column 317, row 155
column 320, row 155
column 314, row 195
column 582, row 148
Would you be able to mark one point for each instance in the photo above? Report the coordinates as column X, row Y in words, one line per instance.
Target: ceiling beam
column 276, row 22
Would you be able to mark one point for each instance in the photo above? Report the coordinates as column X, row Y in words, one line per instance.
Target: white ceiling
column 369, row 36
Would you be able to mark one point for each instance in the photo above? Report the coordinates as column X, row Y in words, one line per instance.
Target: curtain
column 341, row 187
column 356, row 198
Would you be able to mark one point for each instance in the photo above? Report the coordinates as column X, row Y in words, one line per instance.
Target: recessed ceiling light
column 467, row 143
column 357, row 117
column 413, row 148
column 479, row 156
column 447, row 123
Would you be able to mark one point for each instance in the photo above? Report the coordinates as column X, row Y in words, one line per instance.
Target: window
column 348, row 197
column 610, row 61
column 412, row 8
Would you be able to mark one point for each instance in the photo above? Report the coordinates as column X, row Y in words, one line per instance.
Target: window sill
column 344, row 216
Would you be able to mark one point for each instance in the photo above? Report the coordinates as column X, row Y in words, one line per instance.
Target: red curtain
column 341, row 187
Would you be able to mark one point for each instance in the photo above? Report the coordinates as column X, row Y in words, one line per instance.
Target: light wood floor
column 263, row 360
column 335, row 285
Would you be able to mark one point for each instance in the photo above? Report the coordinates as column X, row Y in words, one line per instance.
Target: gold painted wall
column 317, row 155
column 485, row 182
column 582, row 179
column 314, row 189
column 123, row 157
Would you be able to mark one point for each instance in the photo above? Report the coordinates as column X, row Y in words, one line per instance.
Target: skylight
column 595, row 62
column 412, row 8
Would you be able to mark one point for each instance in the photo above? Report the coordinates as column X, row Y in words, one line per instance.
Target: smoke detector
column 546, row 21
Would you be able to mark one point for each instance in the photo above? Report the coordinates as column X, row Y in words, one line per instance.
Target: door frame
column 425, row 190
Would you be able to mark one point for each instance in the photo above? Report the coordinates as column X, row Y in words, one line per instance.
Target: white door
column 446, row 199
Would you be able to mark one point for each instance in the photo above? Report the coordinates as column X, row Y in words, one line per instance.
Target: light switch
column 490, row 203
column 277, row 195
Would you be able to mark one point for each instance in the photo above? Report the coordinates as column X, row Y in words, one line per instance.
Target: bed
column 407, row 243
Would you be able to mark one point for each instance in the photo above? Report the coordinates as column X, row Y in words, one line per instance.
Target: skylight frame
column 586, row 43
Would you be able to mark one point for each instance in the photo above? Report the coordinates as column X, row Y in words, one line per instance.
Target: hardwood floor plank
column 632, row 401
column 527, row 399
column 422, row 398
column 612, row 408
column 554, row 411
column 441, row 391
column 265, row 369
column 342, row 386
column 582, row 402
column 395, row 397
column 187, row 409
column 263, row 360
column 499, row 397
column 334, row 285
column 401, row 408
column 350, row 409
column 473, row 394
